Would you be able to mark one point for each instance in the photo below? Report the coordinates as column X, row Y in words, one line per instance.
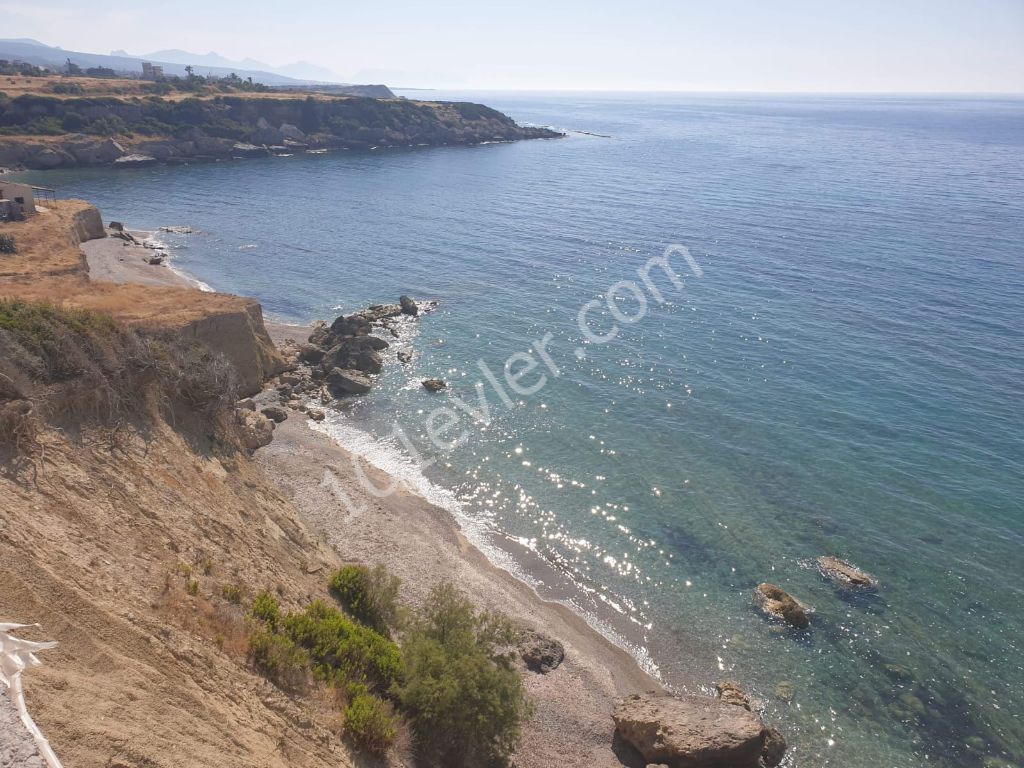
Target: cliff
column 134, row 524
column 51, row 132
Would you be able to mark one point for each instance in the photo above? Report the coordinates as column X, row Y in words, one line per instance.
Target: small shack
column 16, row 200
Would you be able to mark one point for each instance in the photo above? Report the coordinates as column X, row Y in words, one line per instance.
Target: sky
column 901, row 46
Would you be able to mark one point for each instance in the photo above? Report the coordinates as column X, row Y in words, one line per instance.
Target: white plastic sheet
column 17, row 655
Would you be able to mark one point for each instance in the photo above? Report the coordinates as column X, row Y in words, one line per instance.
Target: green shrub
column 193, row 587
column 466, row 702
column 368, row 594
column 370, row 722
column 7, row 244
column 277, row 657
column 266, row 609
column 232, row 593
column 342, row 650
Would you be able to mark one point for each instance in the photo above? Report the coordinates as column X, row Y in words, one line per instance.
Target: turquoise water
column 845, row 377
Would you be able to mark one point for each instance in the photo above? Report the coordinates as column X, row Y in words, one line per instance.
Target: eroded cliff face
column 242, row 338
column 129, row 551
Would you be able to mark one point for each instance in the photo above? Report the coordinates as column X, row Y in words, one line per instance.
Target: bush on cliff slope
column 466, row 702
column 370, row 595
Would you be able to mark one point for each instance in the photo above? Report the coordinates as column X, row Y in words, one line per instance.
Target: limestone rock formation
column 690, row 731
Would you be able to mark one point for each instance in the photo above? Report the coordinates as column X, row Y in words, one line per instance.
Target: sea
column 691, row 347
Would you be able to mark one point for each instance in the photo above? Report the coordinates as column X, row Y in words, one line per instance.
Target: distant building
column 152, row 71
column 16, row 200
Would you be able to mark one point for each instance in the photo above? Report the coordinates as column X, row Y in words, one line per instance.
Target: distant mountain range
column 173, row 62
column 301, row 70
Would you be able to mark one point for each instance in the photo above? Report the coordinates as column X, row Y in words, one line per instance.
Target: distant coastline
column 42, row 127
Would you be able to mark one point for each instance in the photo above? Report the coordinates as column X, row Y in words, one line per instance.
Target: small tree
column 466, row 702
column 369, row 595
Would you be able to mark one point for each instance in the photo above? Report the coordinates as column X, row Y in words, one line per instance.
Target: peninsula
column 59, row 122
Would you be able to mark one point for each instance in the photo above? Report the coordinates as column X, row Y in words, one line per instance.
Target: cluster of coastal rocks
column 336, row 361
column 341, row 358
column 698, row 731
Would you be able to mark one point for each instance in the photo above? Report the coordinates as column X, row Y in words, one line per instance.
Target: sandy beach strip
column 113, row 260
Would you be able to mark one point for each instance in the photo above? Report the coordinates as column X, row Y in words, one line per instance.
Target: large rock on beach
column 690, row 731
column 256, row 429
column 311, row 353
column 844, row 574
column 776, row 603
column 347, row 382
column 539, row 652
column 275, row 413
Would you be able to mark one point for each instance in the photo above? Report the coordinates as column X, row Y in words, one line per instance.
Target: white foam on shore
column 387, row 455
column 151, row 239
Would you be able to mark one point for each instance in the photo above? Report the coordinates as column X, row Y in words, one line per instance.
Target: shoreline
column 425, row 544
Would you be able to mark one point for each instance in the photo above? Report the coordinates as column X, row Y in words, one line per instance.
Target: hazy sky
column 720, row 45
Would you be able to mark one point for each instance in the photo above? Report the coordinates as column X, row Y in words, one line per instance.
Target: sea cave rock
column 691, row 731
column 844, row 574
column 776, row 603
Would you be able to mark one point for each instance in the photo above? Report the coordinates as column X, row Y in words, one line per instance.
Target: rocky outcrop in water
column 776, row 603
column 346, row 354
column 696, row 732
column 843, row 574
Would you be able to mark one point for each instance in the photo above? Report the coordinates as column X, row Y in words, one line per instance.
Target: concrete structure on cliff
column 16, row 200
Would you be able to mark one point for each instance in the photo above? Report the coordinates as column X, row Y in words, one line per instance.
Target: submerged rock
column 690, row 731
column 434, row 385
column 539, row 652
column 776, row 603
column 844, row 574
column 405, row 357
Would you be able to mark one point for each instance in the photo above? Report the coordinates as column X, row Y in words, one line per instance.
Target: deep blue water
column 846, row 377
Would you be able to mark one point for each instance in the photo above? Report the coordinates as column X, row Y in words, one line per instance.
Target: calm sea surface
column 846, row 377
